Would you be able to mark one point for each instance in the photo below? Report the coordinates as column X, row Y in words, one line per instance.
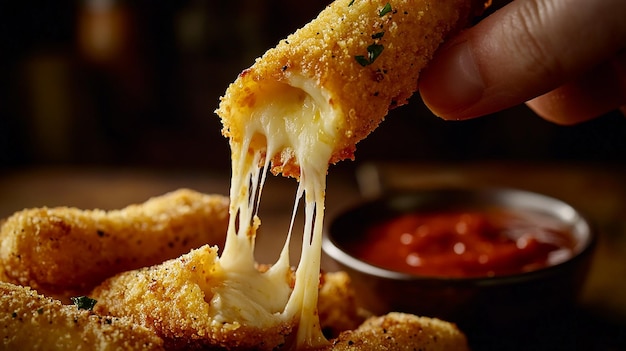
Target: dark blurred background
column 135, row 83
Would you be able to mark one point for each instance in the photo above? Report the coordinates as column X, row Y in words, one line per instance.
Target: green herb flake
column 351, row 2
column 385, row 10
column 362, row 60
column 378, row 35
column 84, row 302
column 373, row 51
column 40, row 310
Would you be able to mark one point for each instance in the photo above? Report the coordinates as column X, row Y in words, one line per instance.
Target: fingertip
column 452, row 82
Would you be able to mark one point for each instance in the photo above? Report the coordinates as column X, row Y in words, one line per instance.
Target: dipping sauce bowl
column 506, row 265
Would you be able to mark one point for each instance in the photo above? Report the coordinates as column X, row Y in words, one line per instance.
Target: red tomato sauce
column 465, row 244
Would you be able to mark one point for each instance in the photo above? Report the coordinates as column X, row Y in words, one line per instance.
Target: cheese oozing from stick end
column 287, row 125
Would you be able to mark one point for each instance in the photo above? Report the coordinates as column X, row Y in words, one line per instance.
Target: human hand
column 565, row 58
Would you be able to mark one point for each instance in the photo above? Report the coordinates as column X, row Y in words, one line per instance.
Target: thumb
column 523, row 50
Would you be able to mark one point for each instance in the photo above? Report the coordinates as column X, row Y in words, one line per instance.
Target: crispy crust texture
column 336, row 304
column 65, row 252
column 29, row 321
column 173, row 299
column 185, row 321
column 324, row 53
column 402, row 332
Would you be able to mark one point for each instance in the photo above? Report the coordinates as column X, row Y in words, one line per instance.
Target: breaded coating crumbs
column 176, row 300
column 401, row 332
column 29, row 321
column 357, row 60
column 336, row 304
column 65, row 252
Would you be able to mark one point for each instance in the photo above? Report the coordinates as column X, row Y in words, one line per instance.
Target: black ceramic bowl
column 525, row 305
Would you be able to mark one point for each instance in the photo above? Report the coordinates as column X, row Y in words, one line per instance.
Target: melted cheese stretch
column 296, row 127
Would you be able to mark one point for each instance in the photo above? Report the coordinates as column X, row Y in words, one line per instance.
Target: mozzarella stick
column 205, row 310
column 64, row 252
column 401, row 332
column 335, row 79
column 29, row 321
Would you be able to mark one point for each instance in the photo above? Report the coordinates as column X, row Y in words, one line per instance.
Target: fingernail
column 454, row 82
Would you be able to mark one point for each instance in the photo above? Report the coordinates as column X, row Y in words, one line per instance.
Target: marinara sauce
column 465, row 244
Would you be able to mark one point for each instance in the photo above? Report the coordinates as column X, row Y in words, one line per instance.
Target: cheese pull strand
column 237, row 259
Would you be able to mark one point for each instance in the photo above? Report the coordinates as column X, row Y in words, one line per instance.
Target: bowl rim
column 579, row 220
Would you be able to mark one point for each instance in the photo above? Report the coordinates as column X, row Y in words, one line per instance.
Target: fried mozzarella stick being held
column 335, row 79
column 305, row 104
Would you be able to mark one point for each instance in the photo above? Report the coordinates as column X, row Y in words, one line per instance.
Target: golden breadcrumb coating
column 65, row 252
column 29, row 321
column 402, row 332
column 336, row 304
column 355, row 61
column 180, row 300
column 176, row 300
